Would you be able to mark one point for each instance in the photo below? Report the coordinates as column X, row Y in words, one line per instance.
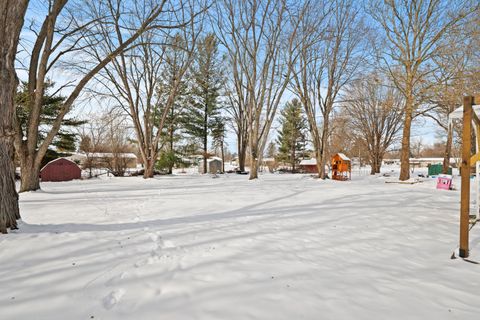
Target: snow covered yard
column 193, row 247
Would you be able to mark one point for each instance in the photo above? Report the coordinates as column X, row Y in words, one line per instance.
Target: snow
column 343, row 157
column 281, row 247
column 308, row 162
column 458, row 113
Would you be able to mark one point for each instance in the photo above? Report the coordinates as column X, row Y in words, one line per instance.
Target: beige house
column 104, row 160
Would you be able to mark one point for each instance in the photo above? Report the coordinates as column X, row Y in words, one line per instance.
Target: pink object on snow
column 444, row 182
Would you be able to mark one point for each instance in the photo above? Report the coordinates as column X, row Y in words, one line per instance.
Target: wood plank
column 476, row 119
column 474, row 159
column 465, row 172
column 476, row 100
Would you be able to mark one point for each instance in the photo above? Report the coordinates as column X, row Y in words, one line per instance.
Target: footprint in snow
column 116, row 279
column 113, row 298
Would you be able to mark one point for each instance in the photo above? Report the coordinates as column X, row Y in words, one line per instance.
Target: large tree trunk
column 253, row 169
column 317, row 143
column 253, row 161
column 9, row 211
column 318, row 161
column 373, row 164
column 30, row 165
column 323, row 150
column 11, row 22
column 149, row 168
column 405, row 152
column 242, row 154
column 378, row 164
column 30, row 180
column 376, row 157
column 448, row 150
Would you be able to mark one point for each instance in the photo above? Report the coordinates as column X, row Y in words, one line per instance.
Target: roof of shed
column 55, row 160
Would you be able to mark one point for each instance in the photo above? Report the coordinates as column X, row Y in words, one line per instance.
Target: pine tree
column 207, row 80
column 65, row 140
column 177, row 115
column 292, row 136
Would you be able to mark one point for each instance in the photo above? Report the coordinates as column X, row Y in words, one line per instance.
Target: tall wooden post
column 465, row 172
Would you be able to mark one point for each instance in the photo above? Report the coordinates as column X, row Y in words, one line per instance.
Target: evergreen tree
column 177, row 115
column 65, row 140
column 207, row 80
column 292, row 136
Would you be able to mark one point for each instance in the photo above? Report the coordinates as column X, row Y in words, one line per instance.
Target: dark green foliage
column 64, row 140
column 177, row 116
column 167, row 161
column 207, row 81
column 218, row 132
column 292, row 136
column 52, row 155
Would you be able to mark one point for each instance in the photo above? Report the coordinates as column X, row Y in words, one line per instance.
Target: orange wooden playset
column 341, row 167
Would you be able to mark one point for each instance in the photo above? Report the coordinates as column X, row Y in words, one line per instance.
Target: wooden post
column 465, row 168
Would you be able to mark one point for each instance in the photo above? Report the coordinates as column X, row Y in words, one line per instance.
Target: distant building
column 104, row 159
column 60, row 169
column 309, row 165
column 422, row 162
column 214, row 165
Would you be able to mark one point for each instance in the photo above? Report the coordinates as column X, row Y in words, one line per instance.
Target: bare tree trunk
column 205, row 139
column 11, row 22
column 318, row 157
column 253, row 161
column 448, row 150
column 378, row 164
column 242, row 154
column 223, row 158
column 149, row 169
column 323, row 151
column 30, row 176
column 172, row 152
column 373, row 164
column 253, row 169
column 405, row 152
column 9, row 211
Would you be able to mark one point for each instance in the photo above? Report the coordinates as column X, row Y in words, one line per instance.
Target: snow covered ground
column 193, row 247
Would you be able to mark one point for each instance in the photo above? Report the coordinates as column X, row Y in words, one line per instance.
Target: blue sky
column 426, row 129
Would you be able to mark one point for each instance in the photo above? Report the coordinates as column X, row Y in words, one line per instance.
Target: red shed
column 309, row 166
column 60, row 169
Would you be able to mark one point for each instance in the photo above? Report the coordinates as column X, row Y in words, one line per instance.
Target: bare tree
column 413, row 33
column 239, row 123
column 258, row 36
column 116, row 142
column 64, row 32
column 146, row 80
column 331, row 51
column 92, row 135
column 12, row 17
column 375, row 113
column 456, row 76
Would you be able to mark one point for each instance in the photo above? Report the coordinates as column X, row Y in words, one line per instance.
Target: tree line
column 171, row 65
